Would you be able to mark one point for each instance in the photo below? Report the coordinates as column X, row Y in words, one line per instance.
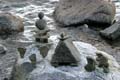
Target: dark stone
column 2, row 49
column 91, row 65
column 102, row 62
column 41, row 23
column 21, row 52
column 5, row 79
column 44, row 50
column 27, row 66
column 33, row 59
column 65, row 54
column 42, row 36
column 41, row 15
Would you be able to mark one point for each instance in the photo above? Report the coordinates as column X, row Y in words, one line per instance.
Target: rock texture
column 10, row 23
column 44, row 70
column 112, row 32
column 65, row 53
column 69, row 12
column 26, row 64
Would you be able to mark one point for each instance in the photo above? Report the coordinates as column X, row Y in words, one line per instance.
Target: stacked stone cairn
column 42, row 33
column 65, row 53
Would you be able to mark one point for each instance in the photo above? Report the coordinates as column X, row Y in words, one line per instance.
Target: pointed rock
column 65, row 54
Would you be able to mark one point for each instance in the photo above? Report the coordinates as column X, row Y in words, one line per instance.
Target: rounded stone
column 10, row 23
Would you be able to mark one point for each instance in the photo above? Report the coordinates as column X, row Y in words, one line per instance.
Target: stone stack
column 42, row 33
column 65, row 53
column 112, row 32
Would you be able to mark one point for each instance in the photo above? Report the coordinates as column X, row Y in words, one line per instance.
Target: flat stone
column 42, row 39
column 112, row 32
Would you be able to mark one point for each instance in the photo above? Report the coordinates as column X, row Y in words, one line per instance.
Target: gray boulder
column 47, row 72
column 10, row 23
column 112, row 32
column 69, row 12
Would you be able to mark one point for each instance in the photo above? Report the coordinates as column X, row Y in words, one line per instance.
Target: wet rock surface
column 10, row 23
column 65, row 53
column 44, row 70
column 112, row 32
column 69, row 12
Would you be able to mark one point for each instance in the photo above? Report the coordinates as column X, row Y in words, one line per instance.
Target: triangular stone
column 65, row 54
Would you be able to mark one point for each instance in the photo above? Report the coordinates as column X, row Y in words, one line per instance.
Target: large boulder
column 10, row 23
column 69, row 12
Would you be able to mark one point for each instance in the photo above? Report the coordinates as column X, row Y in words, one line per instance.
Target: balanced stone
column 42, row 36
column 33, row 59
column 10, row 23
column 41, row 23
column 21, row 52
column 65, row 53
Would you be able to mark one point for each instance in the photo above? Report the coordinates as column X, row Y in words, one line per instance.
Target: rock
column 10, row 23
column 90, row 64
column 102, row 62
column 42, row 39
column 70, row 12
column 41, row 23
column 65, row 53
column 24, row 66
column 42, row 36
column 47, row 72
column 44, row 70
column 22, row 52
column 112, row 32
column 2, row 49
column 33, row 59
column 44, row 48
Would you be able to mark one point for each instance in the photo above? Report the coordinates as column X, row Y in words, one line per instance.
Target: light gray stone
column 69, row 12
column 112, row 32
column 45, row 71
